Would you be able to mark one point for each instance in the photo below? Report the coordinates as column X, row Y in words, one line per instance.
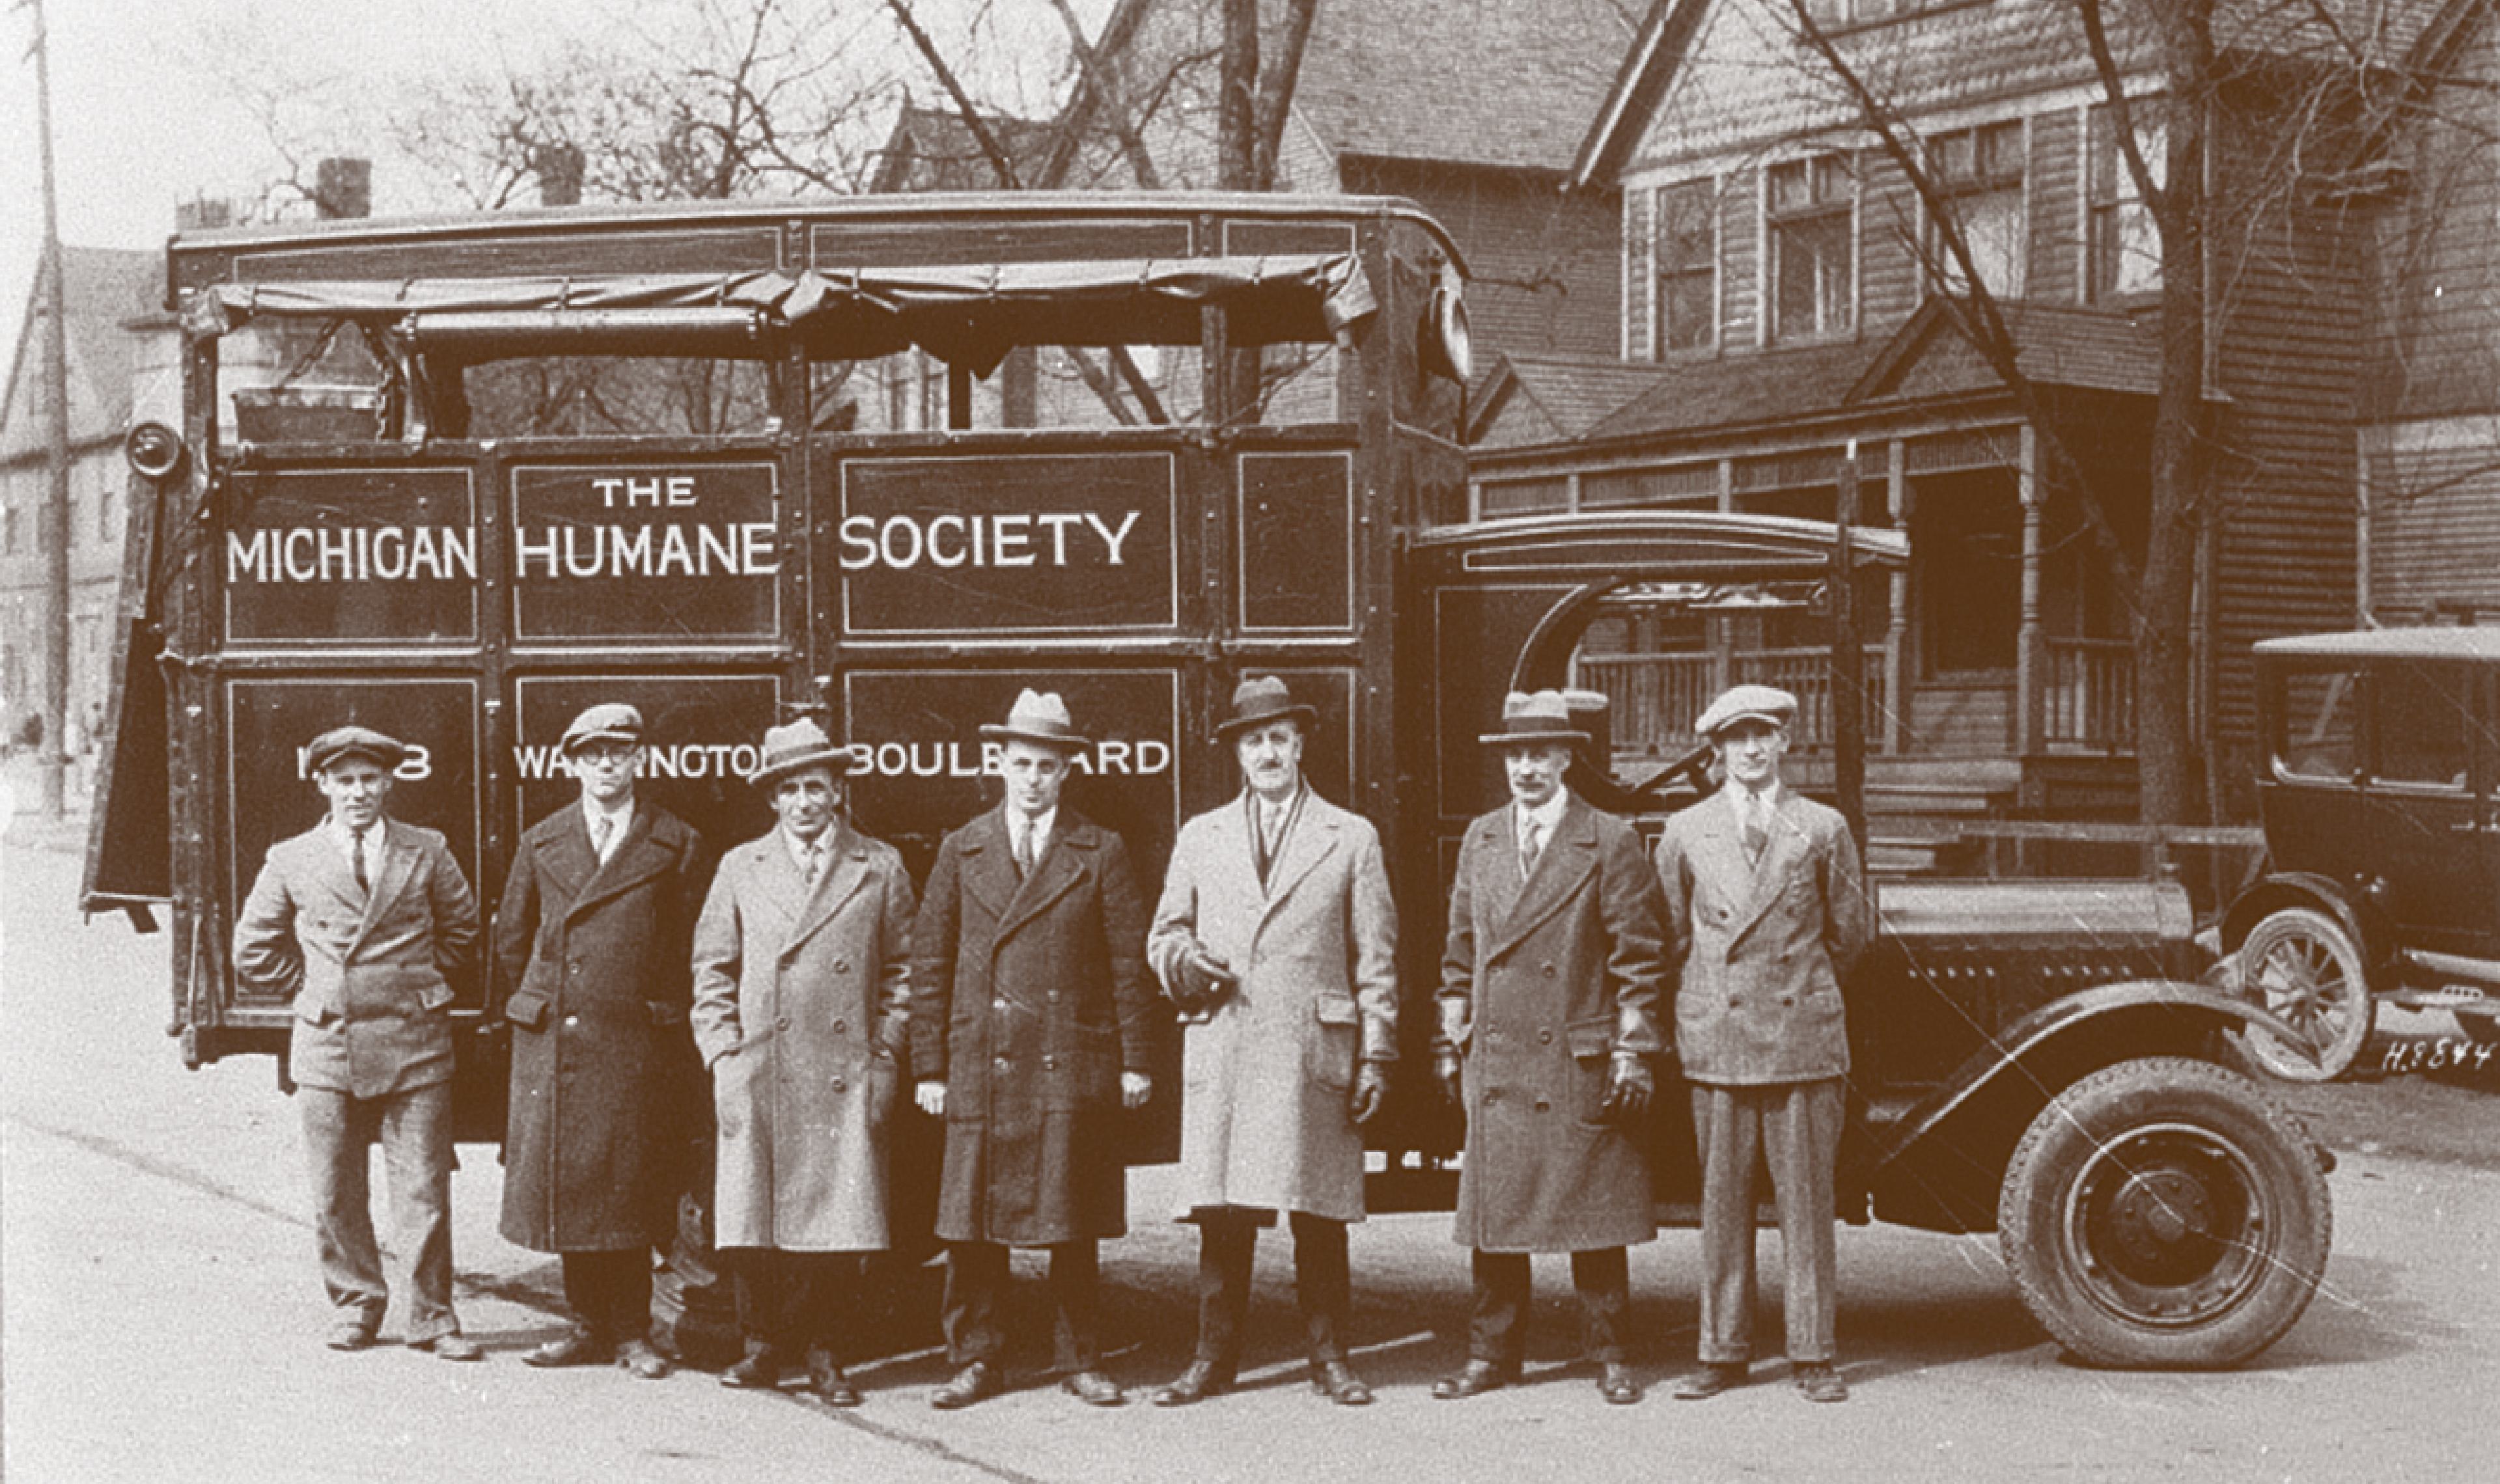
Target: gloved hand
column 1201, row 981
column 1371, row 1090
column 1136, row 1087
column 1628, row 1086
column 1445, row 1068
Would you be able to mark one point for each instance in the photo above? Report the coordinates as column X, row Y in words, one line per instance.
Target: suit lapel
column 1063, row 862
column 849, row 873
column 1314, row 837
column 567, row 856
column 395, row 858
column 989, row 874
column 1497, row 878
column 1562, row 866
column 1764, row 879
column 636, row 859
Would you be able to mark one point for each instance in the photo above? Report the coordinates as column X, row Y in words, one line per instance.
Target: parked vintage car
column 2381, row 795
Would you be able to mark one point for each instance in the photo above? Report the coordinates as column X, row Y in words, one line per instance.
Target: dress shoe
column 1479, row 1377
column 638, row 1356
column 976, row 1382
column 760, row 1370
column 1616, row 1386
column 454, row 1346
column 1094, row 1389
column 1820, row 1382
column 1335, row 1380
column 1202, row 1380
column 350, row 1334
column 826, row 1379
column 574, row 1347
column 1714, row 1378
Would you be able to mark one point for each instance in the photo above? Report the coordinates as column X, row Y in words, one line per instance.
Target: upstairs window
column 2126, row 248
column 1688, row 266
column 1980, row 172
column 1811, row 214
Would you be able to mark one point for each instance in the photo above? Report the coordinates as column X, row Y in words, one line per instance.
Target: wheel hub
column 2167, row 1226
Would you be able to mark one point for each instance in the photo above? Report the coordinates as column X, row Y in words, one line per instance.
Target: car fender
column 2351, row 908
column 1939, row 1163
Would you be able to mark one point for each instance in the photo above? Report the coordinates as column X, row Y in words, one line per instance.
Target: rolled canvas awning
column 970, row 314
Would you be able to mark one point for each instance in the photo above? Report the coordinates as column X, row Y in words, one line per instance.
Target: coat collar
column 989, row 871
column 1568, row 859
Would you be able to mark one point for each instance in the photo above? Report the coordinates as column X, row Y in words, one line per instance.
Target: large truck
column 889, row 461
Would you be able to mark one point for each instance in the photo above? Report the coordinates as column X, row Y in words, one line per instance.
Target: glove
column 1201, row 981
column 1371, row 1090
column 1628, row 1087
column 1445, row 1068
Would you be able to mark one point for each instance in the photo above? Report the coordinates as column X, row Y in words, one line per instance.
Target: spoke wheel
column 2161, row 1213
column 2300, row 965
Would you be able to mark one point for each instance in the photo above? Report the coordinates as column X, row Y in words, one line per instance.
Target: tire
column 2162, row 1214
column 2299, row 964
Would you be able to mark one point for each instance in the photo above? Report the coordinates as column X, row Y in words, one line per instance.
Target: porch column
column 2031, row 645
column 1897, row 631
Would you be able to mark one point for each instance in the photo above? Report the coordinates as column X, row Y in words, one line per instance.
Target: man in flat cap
column 1277, row 941
column 802, row 1015
column 1030, row 1035
column 591, row 948
column 1548, row 1017
column 1766, row 909
column 366, row 923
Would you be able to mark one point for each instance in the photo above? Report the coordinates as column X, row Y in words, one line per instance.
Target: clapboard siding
column 2434, row 497
column 1740, row 259
column 2052, row 178
column 1887, row 227
column 2439, row 277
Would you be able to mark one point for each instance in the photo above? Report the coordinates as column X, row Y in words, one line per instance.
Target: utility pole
column 55, row 523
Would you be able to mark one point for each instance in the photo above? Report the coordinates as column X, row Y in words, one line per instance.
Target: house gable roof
column 933, row 150
column 104, row 288
column 1524, row 401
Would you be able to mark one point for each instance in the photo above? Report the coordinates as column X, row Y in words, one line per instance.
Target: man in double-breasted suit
column 802, row 1014
column 591, row 948
column 1030, row 1035
column 1547, row 1004
column 1766, row 908
column 366, row 922
column 1277, row 939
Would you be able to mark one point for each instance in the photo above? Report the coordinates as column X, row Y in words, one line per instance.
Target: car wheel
column 2161, row 1213
column 2300, row 965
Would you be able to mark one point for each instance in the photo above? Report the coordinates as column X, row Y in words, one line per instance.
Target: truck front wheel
column 2161, row 1214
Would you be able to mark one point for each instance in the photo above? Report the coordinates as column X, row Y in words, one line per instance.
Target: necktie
column 1024, row 849
column 356, row 851
column 815, row 860
column 1531, row 844
column 600, row 827
column 1756, row 837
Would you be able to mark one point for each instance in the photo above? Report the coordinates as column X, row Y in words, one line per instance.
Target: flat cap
column 1747, row 703
column 612, row 721
column 339, row 744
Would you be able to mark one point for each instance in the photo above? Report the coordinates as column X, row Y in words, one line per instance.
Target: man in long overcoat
column 802, row 1014
column 1277, row 939
column 1766, row 908
column 1549, row 997
column 1030, row 1035
column 591, row 948
column 366, row 923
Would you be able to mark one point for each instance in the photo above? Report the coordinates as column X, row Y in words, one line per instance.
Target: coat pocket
column 527, row 1009
column 1336, row 1041
column 1088, row 1073
column 433, row 994
column 1590, row 1043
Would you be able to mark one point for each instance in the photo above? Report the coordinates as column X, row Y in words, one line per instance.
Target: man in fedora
column 1548, row 1001
column 1277, row 941
column 1030, row 1035
column 366, row 923
column 802, row 1013
column 1765, row 909
column 591, row 948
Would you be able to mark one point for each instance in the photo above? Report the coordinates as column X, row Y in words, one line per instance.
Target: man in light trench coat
column 367, row 923
column 801, row 1012
column 591, row 947
column 1548, row 1005
column 1766, row 908
column 1030, row 1035
column 1277, row 941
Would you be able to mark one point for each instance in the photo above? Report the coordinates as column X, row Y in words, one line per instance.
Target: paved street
column 163, row 1321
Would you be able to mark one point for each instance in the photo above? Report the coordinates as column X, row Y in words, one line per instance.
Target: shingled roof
column 104, row 288
column 933, row 150
column 1524, row 401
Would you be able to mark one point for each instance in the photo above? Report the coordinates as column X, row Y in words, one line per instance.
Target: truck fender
column 2352, row 911
column 1940, row 1164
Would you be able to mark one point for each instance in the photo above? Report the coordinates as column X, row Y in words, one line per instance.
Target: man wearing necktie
column 1766, row 909
column 1277, row 941
column 367, row 924
column 591, row 947
column 1548, row 1016
column 1030, row 1035
column 802, row 1012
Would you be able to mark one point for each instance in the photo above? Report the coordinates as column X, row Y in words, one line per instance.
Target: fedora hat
column 1261, row 699
column 794, row 746
column 1039, row 719
column 611, row 721
column 1747, row 703
column 1531, row 720
column 339, row 744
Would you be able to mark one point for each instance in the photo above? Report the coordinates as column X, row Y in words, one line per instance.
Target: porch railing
column 2090, row 700
column 1656, row 697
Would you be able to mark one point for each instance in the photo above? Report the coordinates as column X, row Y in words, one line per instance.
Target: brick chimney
column 560, row 169
column 343, row 187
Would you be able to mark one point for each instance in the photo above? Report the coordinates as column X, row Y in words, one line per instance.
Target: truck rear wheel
column 2161, row 1214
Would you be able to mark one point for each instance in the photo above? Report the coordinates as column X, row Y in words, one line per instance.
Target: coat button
column 841, row 966
column 839, row 1085
column 782, row 1024
column 1545, row 1038
column 1000, row 1005
column 1050, row 1064
column 1054, row 997
column 841, row 1027
column 1731, row 1002
column 1548, row 971
column 1542, row 1106
column 1002, row 1063
column 572, row 1020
